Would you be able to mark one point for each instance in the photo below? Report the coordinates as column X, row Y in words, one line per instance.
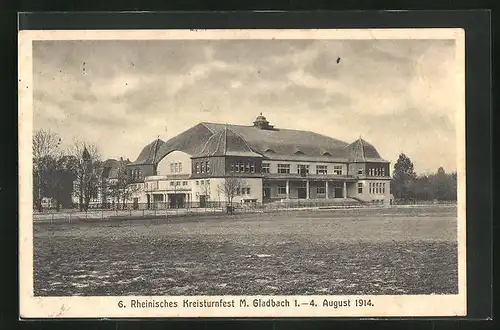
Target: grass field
column 359, row 251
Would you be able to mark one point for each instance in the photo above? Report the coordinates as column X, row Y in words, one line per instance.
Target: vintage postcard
column 242, row 173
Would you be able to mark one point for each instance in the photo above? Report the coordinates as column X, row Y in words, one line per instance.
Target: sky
column 398, row 95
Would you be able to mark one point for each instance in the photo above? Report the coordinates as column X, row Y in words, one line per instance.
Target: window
column 360, row 188
column 337, row 169
column 178, row 183
column 202, row 182
column 184, row 183
column 171, row 167
column 360, row 171
column 197, row 168
column 282, row 189
column 321, row 189
column 283, row 168
column 242, row 167
column 248, row 191
column 321, row 169
column 265, row 167
column 171, row 183
column 237, row 167
column 232, row 167
column 207, row 164
column 176, row 167
column 197, row 182
column 180, row 167
column 252, row 167
column 202, row 167
column 302, row 169
column 383, row 171
column 207, row 182
column 383, row 185
column 247, row 168
column 370, row 188
column 237, row 191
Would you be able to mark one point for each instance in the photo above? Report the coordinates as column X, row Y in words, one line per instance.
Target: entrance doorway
column 266, row 193
column 203, row 201
column 337, row 192
column 176, row 200
column 301, row 192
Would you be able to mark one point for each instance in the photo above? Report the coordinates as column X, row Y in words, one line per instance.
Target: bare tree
column 229, row 188
column 45, row 145
column 88, row 171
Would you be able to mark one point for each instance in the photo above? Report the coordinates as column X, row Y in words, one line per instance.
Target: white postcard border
column 108, row 307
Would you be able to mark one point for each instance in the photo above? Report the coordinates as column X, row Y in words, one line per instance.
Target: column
column 287, row 189
column 326, row 189
column 307, row 189
column 344, row 190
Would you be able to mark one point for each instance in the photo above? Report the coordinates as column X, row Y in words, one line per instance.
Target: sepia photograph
column 242, row 173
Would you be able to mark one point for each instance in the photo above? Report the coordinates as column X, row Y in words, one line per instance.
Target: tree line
column 77, row 171
column 406, row 185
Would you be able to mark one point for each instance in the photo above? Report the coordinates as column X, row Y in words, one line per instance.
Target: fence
column 424, row 202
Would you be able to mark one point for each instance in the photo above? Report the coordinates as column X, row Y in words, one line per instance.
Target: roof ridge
column 362, row 149
column 206, row 143
column 218, row 144
column 243, row 139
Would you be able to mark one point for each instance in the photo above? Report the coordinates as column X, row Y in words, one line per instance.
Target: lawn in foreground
column 387, row 251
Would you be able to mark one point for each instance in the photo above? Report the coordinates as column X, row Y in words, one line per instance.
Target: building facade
column 263, row 163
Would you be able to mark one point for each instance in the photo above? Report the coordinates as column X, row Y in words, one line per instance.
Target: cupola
column 262, row 123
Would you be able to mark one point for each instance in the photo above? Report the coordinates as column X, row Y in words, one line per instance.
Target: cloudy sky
column 397, row 94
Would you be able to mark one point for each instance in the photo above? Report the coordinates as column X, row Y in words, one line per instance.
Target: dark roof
column 362, row 151
column 111, row 168
column 226, row 143
column 149, row 153
column 214, row 139
column 278, row 143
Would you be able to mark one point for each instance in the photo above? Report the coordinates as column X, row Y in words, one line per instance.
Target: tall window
column 360, row 187
column 180, row 167
column 383, row 186
column 202, row 167
column 281, row 189
column 197, row 168
column 265, row 167
column 247, row 167
column 383, row 171
column 207, row 164
column 171, row 167
column 321, row 169
column 184, row 183
column 242, row 167
column 252, row 167
column 320, row 188
column 283, row 168
column 337, row 169
column 176, row 167
column 232, row 167
column 237, row 167
column 248, row 191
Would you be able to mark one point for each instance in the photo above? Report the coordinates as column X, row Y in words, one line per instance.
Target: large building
column 268, row 164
